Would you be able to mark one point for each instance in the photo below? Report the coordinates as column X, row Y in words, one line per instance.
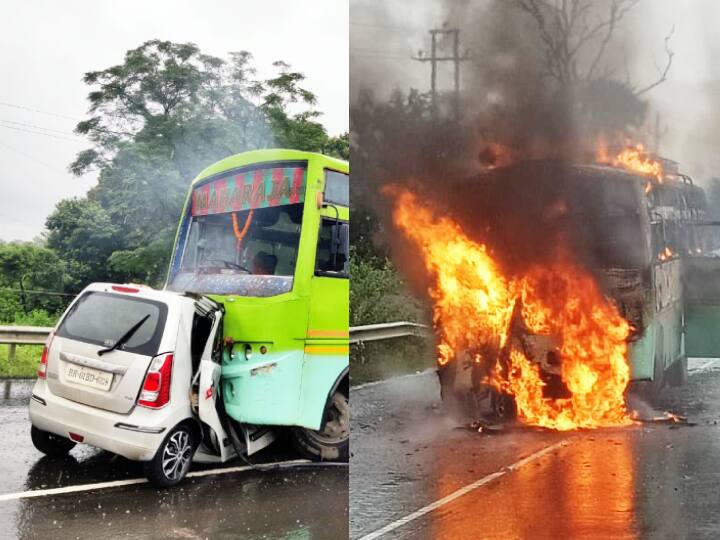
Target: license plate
column 94, row 378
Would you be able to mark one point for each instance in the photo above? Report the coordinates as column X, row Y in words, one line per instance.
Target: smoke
column 513, row 109
column 508, row 97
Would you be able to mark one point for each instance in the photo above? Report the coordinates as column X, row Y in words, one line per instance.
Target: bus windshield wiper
column 125, row 337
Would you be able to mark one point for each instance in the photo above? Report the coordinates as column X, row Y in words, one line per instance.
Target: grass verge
column 377, row 360
column 25, row 364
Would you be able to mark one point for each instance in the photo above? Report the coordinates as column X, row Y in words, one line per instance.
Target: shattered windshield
column 251, row 253
column 241, row 233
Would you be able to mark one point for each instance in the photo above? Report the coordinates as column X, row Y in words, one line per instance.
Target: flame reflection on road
column 587, row 491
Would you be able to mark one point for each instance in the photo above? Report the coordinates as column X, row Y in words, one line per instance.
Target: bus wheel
column 504, row 407
column 332, row 442
column 676, row 375
column 658, row 382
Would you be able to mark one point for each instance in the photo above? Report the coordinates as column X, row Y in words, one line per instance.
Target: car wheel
column 332, row 442
column 173, row 458
column 50, row 444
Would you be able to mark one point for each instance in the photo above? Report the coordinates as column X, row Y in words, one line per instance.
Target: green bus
column 265, row 234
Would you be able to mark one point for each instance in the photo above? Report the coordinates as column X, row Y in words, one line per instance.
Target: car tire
column 50, row 444
column 332, row 442
column 173, row 458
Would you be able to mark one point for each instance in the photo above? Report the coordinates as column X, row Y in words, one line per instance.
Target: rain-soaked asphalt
column 297, row 503
column 644, row 481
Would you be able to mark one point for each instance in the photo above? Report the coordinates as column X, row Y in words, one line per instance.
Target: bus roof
column 268, row 155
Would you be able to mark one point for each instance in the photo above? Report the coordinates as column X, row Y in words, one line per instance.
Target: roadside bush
column 378, row 295
column 37, row 317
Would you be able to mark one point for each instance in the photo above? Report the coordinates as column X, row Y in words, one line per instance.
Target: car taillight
column 125, row 289
column 155, row 391
column 42, row 368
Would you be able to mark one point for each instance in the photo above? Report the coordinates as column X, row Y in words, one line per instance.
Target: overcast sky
column 48, row 45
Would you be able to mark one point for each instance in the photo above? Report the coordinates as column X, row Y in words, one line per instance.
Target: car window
column 103, row 318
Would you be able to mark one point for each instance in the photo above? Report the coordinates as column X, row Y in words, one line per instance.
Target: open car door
column 208, row 380
column 221, row 434
column 701, row 280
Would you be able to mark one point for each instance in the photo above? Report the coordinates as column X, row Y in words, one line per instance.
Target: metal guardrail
column 22, row 335
column 374, row 332
column 36, row 335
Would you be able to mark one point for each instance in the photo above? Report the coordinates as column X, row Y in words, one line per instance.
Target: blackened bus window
column 337, row 188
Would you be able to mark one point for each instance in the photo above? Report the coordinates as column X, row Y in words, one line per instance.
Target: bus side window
column 327, row 263
column 337, row 188
column 658, row 238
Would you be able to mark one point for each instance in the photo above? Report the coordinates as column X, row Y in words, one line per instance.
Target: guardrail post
column 11, row 353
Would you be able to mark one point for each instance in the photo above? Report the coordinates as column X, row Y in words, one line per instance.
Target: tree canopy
column 154, row 122
column 25, row 271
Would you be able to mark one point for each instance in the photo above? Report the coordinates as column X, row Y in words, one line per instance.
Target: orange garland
column 239, row 235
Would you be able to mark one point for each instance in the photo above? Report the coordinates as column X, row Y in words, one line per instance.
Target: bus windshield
column 241, row 232
column 248, row 253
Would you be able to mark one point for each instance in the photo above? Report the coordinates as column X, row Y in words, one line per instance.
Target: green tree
column 339, row 146
column 26, row 269
column 156, row 120
column 84, row 236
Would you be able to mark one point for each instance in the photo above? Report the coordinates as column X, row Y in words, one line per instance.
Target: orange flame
column 665, row 254
column 474, row 308
column 632, row 158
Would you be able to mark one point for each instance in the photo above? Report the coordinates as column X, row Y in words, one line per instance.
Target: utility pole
column 456, row 58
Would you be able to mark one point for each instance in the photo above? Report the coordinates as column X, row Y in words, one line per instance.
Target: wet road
column 414, row 474
column 289, row 503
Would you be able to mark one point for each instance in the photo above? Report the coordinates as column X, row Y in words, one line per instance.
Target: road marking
column 392, row 379
column 704, row 366
column 134, row 481
column 460, row 492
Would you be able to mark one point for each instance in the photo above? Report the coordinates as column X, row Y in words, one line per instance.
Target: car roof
column 140, row 291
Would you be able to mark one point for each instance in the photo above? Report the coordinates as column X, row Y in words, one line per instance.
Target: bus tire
column 332, row 441
column 50, row 444
column 173, row 458
column 658, row 382
column 676, row 375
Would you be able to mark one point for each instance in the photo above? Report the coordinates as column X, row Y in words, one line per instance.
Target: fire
column 496, row 155
column 477, row 307
column 665, row 254
column 632, row 158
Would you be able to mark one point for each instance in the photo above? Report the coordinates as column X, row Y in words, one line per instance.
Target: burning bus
column 556, row 286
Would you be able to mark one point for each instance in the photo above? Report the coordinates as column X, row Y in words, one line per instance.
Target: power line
column 32, row 158
column 380, row 51
column 456, row 58
column 38, row 127
column 76, row 140
column 38, row 111
column 386, row 27
column 381, row 56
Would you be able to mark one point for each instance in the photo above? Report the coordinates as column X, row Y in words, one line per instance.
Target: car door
column 209, row 388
